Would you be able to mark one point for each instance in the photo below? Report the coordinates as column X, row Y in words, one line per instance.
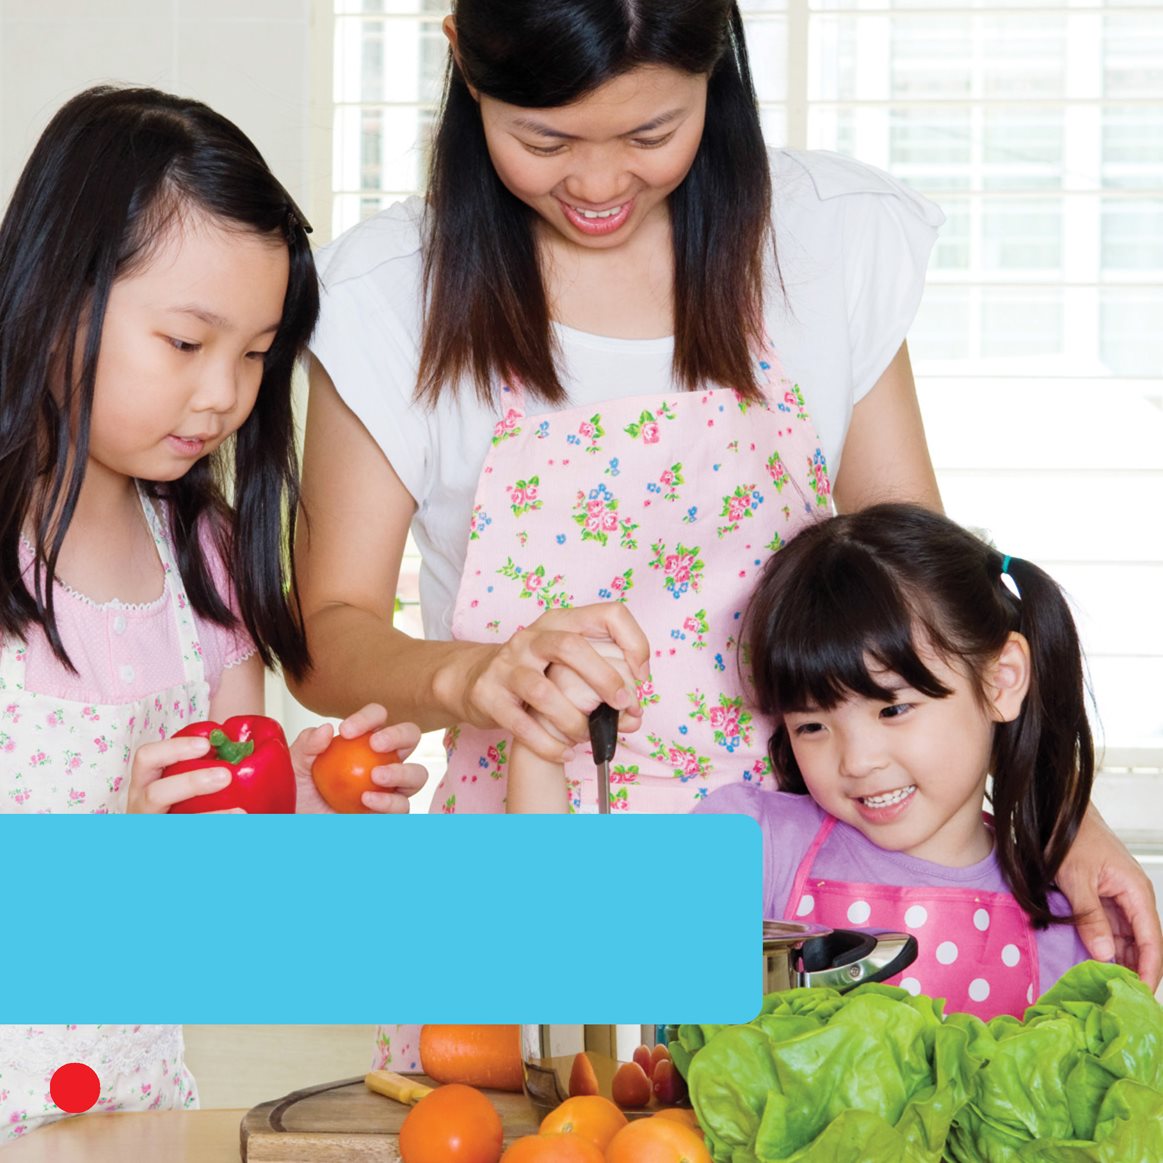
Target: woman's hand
column 399, row 780
column 1115, row 900
column 509, row 686
column 149, row 793
column 538, row 785
column 585, row 698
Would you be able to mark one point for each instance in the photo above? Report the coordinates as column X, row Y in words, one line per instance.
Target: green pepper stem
column 230, row 750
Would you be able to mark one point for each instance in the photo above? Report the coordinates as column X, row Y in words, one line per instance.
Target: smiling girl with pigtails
column 905, row 663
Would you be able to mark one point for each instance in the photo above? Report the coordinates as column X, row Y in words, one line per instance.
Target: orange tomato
column 590, row 1115
column 656, row 1140
column 680, row 1114
column 631, row 1087
column 453, row 1124
column 343, row 771
column 552, row 1149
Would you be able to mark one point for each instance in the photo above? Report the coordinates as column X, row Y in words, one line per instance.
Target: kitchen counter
column 201, row 1136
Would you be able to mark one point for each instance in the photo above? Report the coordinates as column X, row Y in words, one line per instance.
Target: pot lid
column 790, row 933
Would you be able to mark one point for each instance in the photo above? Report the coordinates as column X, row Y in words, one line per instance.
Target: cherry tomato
column 343, row 771
column 453, row 1124
column 631, row 1087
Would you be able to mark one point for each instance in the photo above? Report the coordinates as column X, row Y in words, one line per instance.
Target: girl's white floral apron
column 62, row 756
column 670, row 503
column 977, row 950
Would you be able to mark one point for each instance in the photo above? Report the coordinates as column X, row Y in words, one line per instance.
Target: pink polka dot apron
column 670, row 503
column 975, row 949
column 63, row 756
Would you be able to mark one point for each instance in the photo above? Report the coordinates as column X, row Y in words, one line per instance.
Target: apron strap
column 805, row 865
column 193, row 667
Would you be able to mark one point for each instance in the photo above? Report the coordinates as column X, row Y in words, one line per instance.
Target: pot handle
column 845, row 958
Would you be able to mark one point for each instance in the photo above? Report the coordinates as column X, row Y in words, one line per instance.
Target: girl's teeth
column 598, row 213
column 892, row 797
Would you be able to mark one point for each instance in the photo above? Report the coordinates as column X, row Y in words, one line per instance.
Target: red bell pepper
column 255, row 750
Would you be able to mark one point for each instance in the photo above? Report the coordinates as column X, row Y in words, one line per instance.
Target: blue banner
column 365, row 919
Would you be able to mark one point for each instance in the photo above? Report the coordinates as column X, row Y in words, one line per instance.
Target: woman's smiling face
column 596, row 170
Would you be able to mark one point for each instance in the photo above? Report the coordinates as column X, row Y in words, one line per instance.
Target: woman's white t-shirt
column 852, row 244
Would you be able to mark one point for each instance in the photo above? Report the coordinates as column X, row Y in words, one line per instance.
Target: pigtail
column 1043, row 761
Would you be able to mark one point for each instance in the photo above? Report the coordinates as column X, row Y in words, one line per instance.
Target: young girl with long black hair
column 156, row 289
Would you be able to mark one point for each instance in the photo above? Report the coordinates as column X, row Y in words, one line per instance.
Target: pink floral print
column 68, row 756
column 596, row 512
column 589, row 434
column 536, row 583
column 682, row 568
column 738, row 507
column 524, row 496
column 730, row 721
column 507, row 427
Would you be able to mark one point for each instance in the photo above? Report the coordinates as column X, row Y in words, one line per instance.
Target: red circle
column 75, row 1087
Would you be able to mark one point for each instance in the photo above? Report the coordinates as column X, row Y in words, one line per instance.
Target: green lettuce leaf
column 817, row 1066
column 879, row 1076
column 1080, row 1075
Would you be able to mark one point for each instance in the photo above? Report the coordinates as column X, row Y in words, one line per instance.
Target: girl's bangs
column 846, row 637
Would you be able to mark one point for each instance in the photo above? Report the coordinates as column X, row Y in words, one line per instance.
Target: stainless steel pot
column 793, row 955
column 796, row 954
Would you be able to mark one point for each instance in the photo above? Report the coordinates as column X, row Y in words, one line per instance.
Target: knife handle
column 603, row 732
column 406, row 1090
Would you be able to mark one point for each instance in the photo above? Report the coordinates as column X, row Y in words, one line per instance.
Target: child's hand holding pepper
column 150, row 794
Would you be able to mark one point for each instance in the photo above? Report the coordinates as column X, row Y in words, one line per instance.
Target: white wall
column 266, row 65
column 262, row 63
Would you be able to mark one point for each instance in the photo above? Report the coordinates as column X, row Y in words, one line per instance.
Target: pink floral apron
column 670, row 503
column 975, row 949
column 63, row 756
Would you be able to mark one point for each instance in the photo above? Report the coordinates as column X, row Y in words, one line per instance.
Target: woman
column 578, row 372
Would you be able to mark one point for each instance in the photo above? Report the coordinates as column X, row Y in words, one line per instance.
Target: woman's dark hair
column 487, row 313
column 877, row 584
column 114, row 169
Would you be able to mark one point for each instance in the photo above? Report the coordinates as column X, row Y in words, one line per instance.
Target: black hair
column 487, row 313
column 877, row 584
column 114, row 168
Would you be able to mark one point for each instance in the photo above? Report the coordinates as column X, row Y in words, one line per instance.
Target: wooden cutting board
column 341, row 1121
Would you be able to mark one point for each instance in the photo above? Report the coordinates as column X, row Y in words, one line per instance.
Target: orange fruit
column 342, row 771
column 656, row 1140
column 680, row 1114
column 452, row 1124
column 552, row 1149
column 590, row 1115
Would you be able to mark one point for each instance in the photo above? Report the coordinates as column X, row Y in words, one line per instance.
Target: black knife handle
column 603, row 732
